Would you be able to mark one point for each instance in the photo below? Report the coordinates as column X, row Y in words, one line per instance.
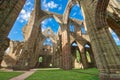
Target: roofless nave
column 99, row 16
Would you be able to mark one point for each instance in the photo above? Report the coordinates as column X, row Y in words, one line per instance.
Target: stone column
column 105, row 50
column 83, row 56
column 9, row 10
column 92, row 56
column 54, row 55
column 66, row 53
column 60, row 50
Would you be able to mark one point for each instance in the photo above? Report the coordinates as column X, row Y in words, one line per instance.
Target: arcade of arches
column 96, row 42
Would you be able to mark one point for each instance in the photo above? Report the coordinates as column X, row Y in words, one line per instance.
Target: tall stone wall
column 105, row 50
column 9, row 11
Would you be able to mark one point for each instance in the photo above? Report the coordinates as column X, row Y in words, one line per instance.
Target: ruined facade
column 99, row 16
column 12, row 54
column 9, row 11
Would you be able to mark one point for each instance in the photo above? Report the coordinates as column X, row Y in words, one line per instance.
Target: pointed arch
column 66, row 14
column 76, row 56
column 71, row 27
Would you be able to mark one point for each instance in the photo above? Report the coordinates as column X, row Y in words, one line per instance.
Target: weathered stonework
column 9, row 11
column 99, row 16
column 12, row 55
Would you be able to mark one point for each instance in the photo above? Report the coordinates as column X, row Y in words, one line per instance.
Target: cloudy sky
column 57, row 6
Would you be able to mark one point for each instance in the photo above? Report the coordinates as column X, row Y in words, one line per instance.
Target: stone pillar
column 66, row 53
column 60, row 50
column 83, row 56
column 54, row 55
column 4, row 44
column 92, row 56
column 9, row 10
column 105, row 50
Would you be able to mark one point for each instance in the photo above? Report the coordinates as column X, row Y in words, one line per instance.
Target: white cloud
column 43, row 22
column 74, row 14
column 26, row 11
column 49, row 5
column 52, row 5
column 24, row 15
column 28, row 3
column 43, row 25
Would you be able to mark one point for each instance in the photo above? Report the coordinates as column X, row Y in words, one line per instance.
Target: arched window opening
column 47, row 42
column 50, row 22
column 76, row 12
column 115, row 37
column 76, row 56
column 89, row 53
column 87, row 46
column 47, row 52
column 57, row 6
column 40, row 59
column 74, row 44
column 72, row 28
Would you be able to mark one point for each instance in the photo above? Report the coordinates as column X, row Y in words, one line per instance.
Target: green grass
column 119, row 47
column 76, row 74
column 7, row 75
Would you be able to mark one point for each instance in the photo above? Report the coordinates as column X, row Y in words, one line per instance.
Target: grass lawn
column 75, row 74
column 7, row 75
column 119, row 47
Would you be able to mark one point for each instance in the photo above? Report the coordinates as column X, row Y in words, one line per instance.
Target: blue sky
column 57, row 6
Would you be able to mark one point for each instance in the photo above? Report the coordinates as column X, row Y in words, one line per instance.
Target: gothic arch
column 89, row 55
column 48, row 15
column 100, row 14
column 76, row 56
column 70, row 4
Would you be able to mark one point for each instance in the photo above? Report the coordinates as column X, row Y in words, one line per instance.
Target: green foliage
column 78, row 55
column 7, row 75
column 119, row 47
column 88, row 57
column 40, row 59
column 76, row 74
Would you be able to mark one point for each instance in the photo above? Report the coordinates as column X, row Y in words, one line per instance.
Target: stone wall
column 12, row 55
column 9, row 11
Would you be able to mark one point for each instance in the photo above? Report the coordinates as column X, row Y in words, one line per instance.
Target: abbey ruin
column 99, row 16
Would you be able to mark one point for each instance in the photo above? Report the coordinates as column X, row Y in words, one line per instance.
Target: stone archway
column 104, row 48
column 7, row 10
column 90, row 56
column 76, row 56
